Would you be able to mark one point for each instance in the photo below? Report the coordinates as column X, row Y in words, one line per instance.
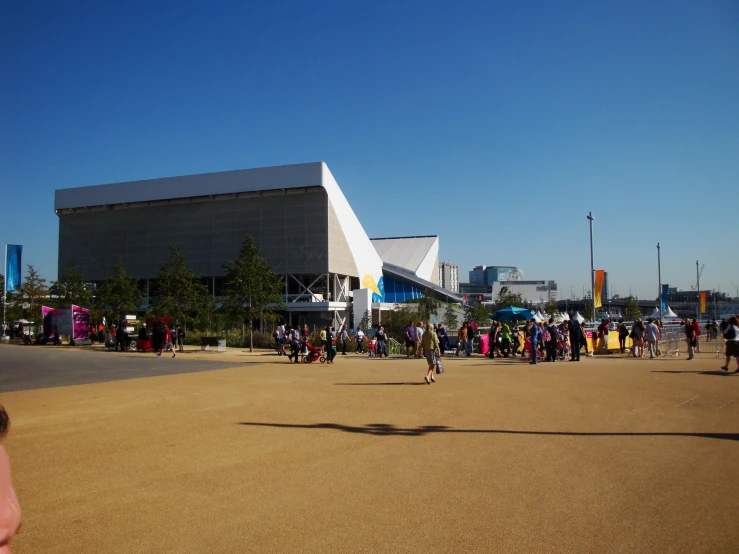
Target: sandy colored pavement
column 609, row 455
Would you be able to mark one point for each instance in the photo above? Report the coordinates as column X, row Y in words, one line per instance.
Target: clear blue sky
column 496, row 126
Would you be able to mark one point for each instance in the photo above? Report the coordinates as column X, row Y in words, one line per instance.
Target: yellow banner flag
column 703, row 302
column 600, row 276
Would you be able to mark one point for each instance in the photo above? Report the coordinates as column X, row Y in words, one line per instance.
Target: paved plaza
column 238, row 452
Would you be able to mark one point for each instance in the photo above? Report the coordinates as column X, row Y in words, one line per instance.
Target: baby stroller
column 312, row 354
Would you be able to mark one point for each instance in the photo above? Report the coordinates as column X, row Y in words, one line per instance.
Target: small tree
column 71, row 288
column 479, row 313
column 32, row 294
column 366, row 320
column 631, row 309
column 119, row 294
column 253, row 290
column 506, row 299
column 180, row 293
column 451, row 319
column 427, row 306
column 397, row 320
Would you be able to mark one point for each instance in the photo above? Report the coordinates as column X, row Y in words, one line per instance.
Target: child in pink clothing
column 10, row 510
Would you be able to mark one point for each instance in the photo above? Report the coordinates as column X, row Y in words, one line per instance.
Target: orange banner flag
column 600, row 277
column 703, row 296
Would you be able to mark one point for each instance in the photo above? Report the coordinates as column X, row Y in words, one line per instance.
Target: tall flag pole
column 659, row 288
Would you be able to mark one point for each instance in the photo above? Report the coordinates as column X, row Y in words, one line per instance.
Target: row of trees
column 252, row 292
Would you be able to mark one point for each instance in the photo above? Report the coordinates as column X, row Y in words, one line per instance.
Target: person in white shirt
column 652, row 333
column 419, row 337
column 360, row 340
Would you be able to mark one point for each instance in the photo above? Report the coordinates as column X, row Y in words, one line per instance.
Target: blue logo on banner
column 13, row 266
column 663, row 297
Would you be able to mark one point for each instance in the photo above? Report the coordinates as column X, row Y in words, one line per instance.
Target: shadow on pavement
column 387, row 429
column 716, row 372
column 379, row 384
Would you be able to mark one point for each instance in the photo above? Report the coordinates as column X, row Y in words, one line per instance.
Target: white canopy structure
column 669, row 314
column 577, row 317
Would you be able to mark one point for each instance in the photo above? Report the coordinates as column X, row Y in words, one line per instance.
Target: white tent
column 559, row 318
column 577, row 317
column 669, row 314
column 538, row 317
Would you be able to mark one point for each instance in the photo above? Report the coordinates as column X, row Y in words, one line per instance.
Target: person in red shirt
column 697, row 329
column 168, row 344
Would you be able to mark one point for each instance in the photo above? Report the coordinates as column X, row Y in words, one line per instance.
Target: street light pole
column 659, row 286
column 592, row 268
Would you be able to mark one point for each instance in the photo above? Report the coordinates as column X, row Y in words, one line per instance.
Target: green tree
column 180, row 294
column 71, row 288
column 366, row 320
column 551, row 308
column 253, row 290
column 32, row 294
column 479, row 313
column 451, row 319
column 631, row 309
column 506, row 299
column 119, row 294
column 396, row 320
column 427, row 306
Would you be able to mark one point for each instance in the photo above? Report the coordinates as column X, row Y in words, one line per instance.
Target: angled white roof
column 188, row 186
column 419, row 255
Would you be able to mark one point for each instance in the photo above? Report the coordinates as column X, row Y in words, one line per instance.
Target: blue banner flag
column 663, row 297
column 13, row 266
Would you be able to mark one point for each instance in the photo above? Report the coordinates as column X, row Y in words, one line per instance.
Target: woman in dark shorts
column 731, row 336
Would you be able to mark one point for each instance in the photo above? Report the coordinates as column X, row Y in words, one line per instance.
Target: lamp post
column 698, row 272
column 659, row 286
column 592, row 269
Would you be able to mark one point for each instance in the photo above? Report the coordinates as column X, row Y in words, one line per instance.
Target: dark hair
column 4, row 422
column 733, row 321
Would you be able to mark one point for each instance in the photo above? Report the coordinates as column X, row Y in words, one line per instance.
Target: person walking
column 381, row 342
column 330, row 345
column 323, row 339
column 293, row 336
column 505, row 342
column 410, row 339
column 470, row 339
column 731, row 336
column 180, row 339
column 430, row 345
column 535, row 335
column 551, row 345
column 167, row 343
column 637, row 338
column 623, row 332
column 690, row 338
column 419, row 337
column 575, row 340
column 461, row 339
column 652, row 335
column 697, row 329
column 359, row 337
column 344, row 339
column 515, row 338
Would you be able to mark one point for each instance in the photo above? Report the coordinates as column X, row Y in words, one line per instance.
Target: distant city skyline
column 497, row 127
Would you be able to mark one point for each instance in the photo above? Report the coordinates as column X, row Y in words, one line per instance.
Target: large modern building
column 297, row 214
column 489, row 274
column 449, row 276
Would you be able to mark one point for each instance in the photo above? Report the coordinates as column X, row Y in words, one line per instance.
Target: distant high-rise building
column 449, row 276
column 487, row 275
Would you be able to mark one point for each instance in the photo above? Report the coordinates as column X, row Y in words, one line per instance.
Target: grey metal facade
column 291, row 227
